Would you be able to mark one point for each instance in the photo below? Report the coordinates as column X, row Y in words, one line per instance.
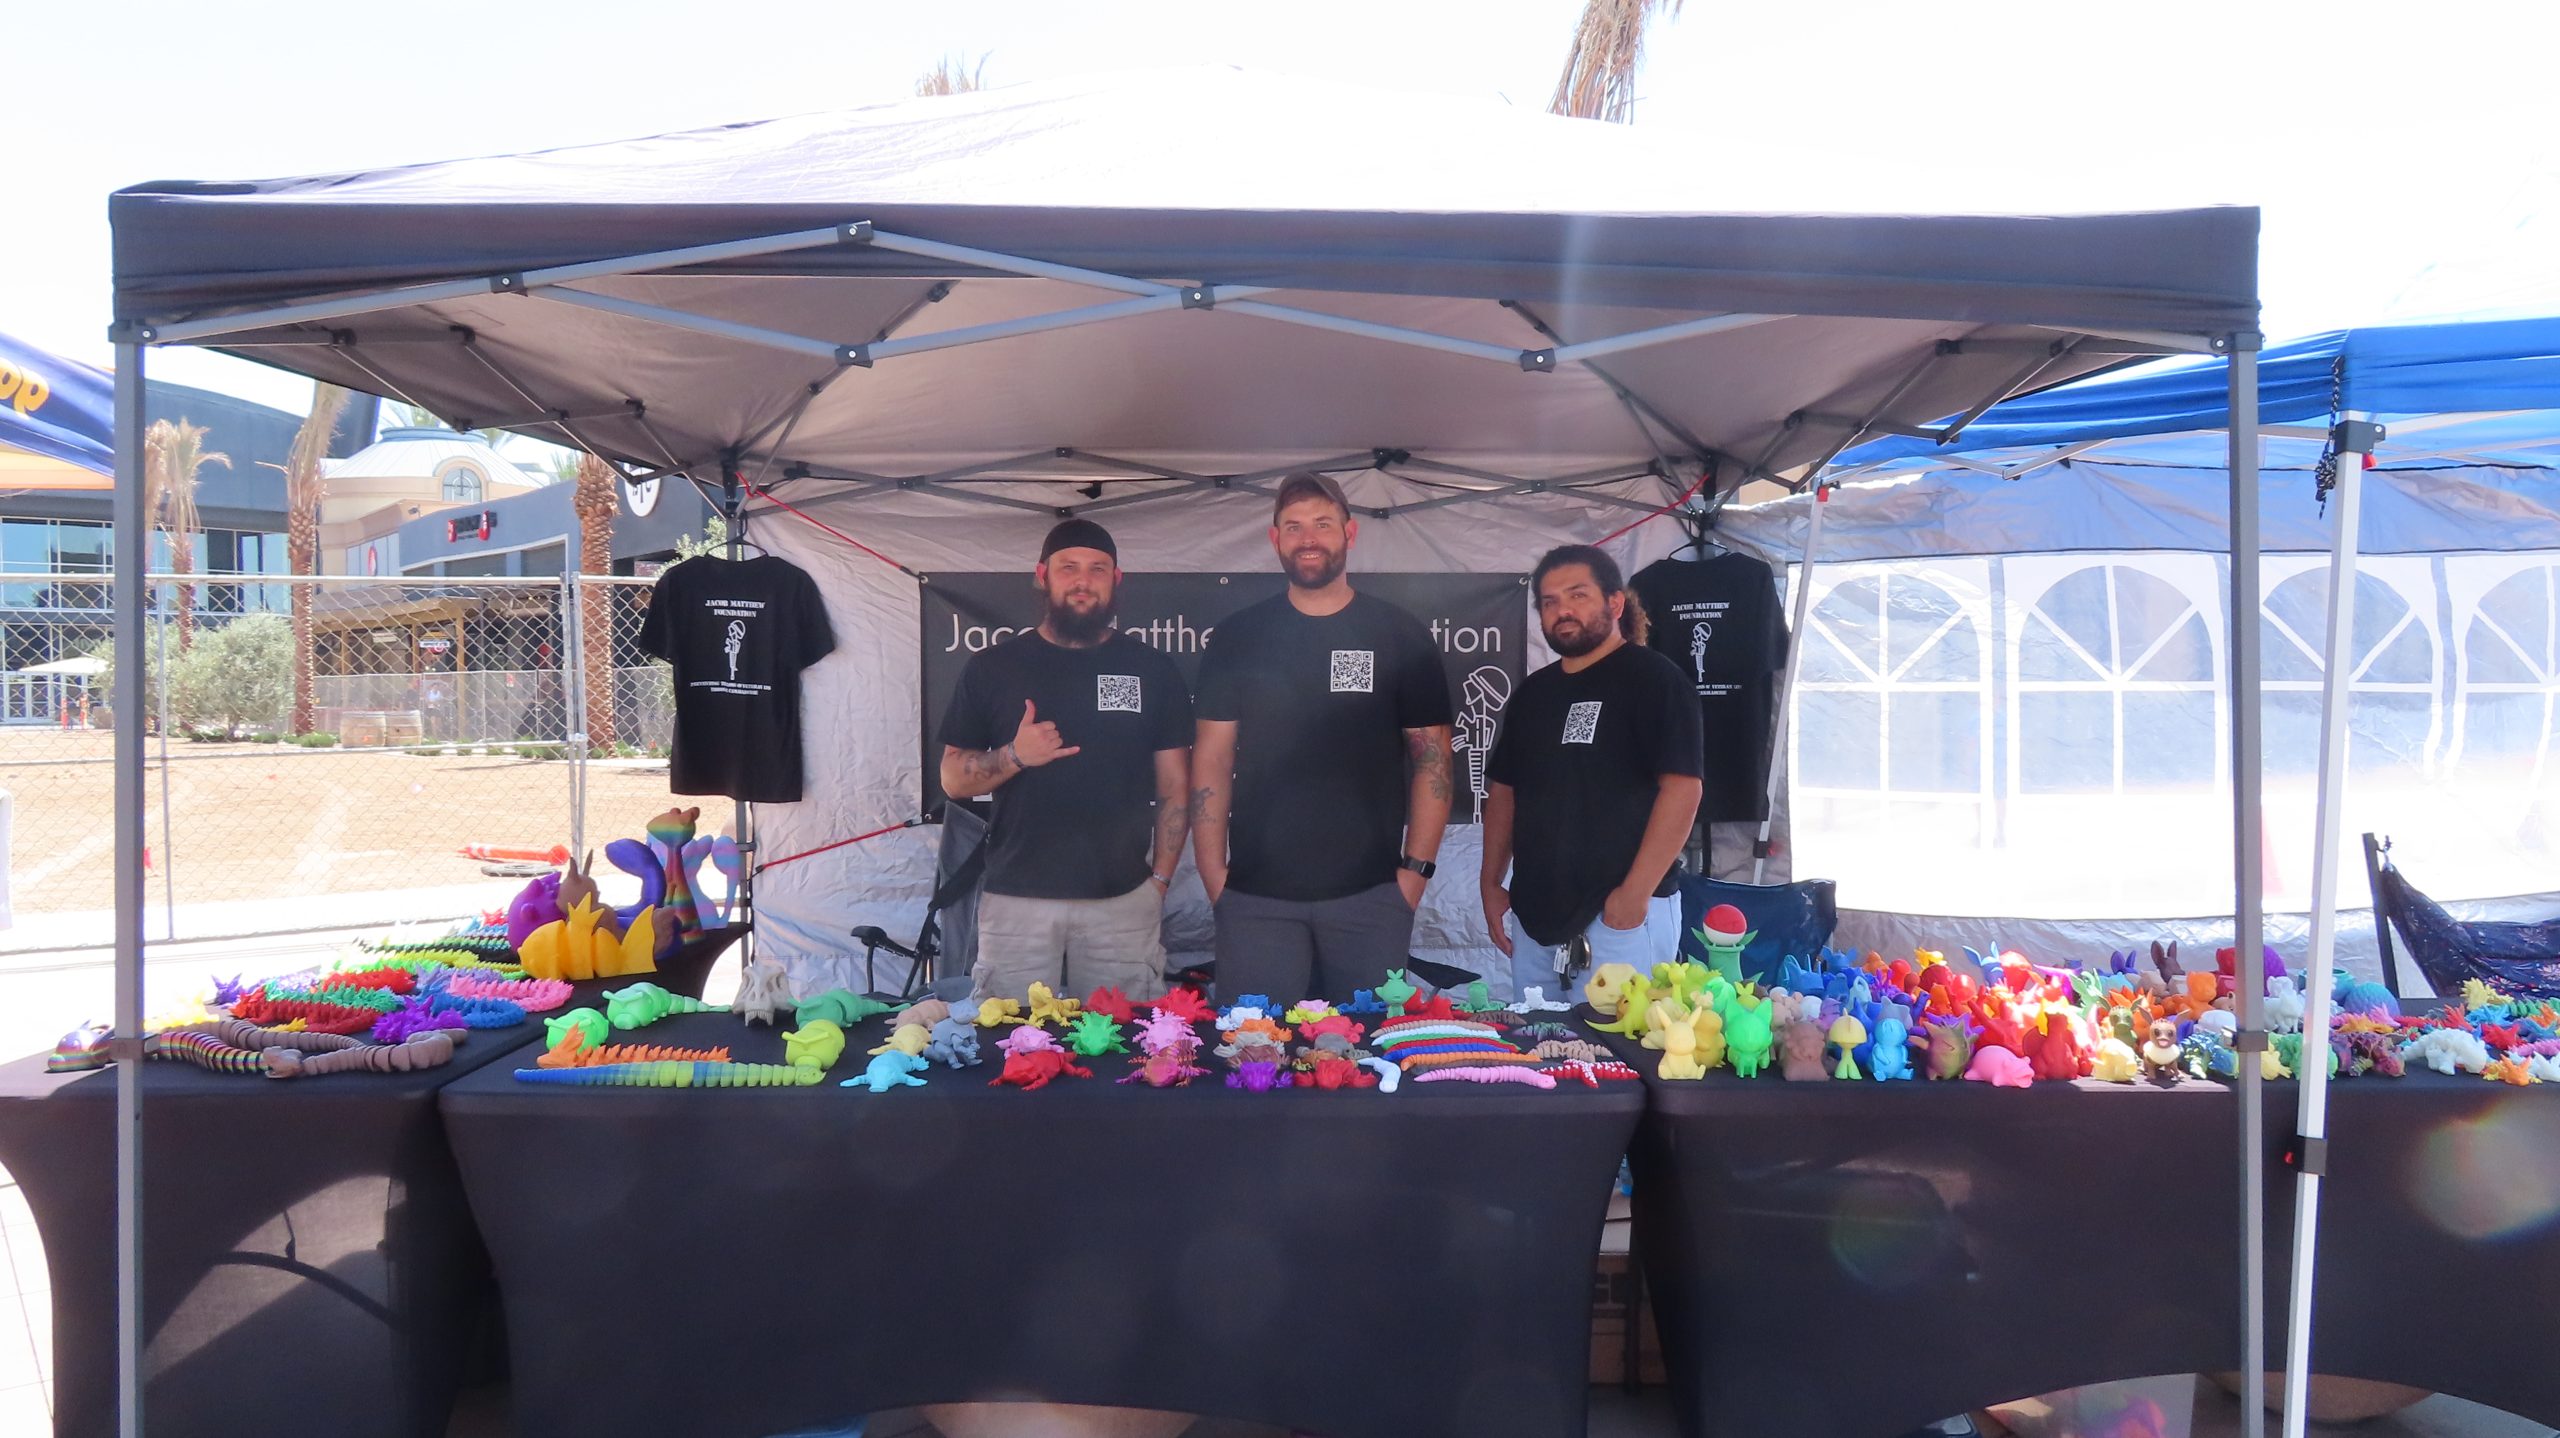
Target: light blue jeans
column 1655, row 941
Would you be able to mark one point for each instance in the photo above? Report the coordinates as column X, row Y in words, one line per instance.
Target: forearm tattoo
column 1430, row 763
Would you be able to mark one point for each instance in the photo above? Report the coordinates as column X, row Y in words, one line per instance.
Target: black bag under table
column 1859, row 1258
column 309, row 1261
column 707, row 1263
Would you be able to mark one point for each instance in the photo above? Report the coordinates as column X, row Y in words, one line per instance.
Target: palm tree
column 949, row 77
column 594, row 502
column 1599, row 79
column 172, row 453
column 304, row 487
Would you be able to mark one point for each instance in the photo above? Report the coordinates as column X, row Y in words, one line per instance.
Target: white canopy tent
column 935, row 326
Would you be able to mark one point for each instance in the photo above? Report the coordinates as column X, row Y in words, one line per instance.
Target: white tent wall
column 2012, row 721
column 860, row 704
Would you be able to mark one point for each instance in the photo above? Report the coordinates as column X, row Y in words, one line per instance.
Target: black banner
column 1478, row 620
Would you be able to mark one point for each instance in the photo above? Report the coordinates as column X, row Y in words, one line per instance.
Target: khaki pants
column 1073, row 945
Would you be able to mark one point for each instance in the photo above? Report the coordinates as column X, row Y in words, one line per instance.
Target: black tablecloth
column 309, row 1259
column 736, row 1262
column 1856, row 1259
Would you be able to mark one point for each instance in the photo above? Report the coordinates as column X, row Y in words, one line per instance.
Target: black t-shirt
column 1717, row 621
column 738, row 633
column 1321, row 706
column 1077, row 827
column 1584, row 754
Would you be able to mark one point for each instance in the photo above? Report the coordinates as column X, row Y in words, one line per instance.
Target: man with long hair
column 1083, row 735
column 1594, row 785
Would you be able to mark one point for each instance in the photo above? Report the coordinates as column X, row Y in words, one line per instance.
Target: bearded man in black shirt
column 1595, row 777
column 1320, row 777
column 1083, row 735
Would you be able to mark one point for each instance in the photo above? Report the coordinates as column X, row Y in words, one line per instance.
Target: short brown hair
column 1306, row 484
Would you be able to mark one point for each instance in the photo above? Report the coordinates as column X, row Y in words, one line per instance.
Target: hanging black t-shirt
column 1321, row 706
column 738, row 633
column 1718, row 621
column 1077, row 827
column 1584, row 755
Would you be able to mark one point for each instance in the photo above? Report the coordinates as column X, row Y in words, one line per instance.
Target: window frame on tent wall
column 1965, row 585
column 2042, row 814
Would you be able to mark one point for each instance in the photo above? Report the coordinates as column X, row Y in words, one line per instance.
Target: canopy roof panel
column 1476, row 232
column 2488, row 368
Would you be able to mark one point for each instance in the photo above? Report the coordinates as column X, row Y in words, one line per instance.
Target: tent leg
column 741, row 818
column 132, row 546
column 2312, row 1126
column 1803, row 607
column 2248, row 920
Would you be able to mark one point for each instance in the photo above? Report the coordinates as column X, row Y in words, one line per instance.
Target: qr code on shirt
column 1582, row 722
column 1355, row 671
column 1116, row 693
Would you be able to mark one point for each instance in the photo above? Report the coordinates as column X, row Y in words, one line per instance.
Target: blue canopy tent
column 57, row 423
column 2452, row 429
column 2477, row 374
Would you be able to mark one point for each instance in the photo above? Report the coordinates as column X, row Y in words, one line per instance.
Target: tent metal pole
column 2164, row 339
column 2356, row 439
column 1660, row 335
column 733, row 507
column 1037, row 324
column 190, row 331
column 2025, row 376
column 132, row 543
column 2248, row 921
column 1368, row 329
column 1796, row 629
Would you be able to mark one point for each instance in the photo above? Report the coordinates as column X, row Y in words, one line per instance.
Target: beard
column 1327, row 569
column 1581, row 639
column 1081, row 626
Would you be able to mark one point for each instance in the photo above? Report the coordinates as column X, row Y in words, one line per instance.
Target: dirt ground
column 271, row 821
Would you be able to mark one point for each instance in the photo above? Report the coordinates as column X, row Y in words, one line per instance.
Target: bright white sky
column 2406, row 154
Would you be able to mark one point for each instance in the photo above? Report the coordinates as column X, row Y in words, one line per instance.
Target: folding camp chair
column 946, row 945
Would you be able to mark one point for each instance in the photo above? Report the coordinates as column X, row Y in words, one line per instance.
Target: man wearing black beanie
column 1083, row 735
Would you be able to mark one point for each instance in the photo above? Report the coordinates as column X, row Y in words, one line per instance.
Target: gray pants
column 1289, row 950
column 1073, row 945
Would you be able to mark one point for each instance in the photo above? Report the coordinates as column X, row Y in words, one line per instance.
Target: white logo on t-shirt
column 1699, row 634
column 1582, row 722
column 1355, row 671
column 737, row 642
column 1116, row 693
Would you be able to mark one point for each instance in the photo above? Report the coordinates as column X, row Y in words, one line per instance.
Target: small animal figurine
column 1708, row 1025
column 1160, row 1029
column 1800, row 1058
column 2160, row 1051
column 1845, row 1035
column 1047, row 1008
column 816, row 1044
column 955, row 1044
column 1093, row 1035
column 1028, row 1039
column 764, row 992
column 925, row 1013
column 888, row 1069
column 1661, row 1015
column 1890, row 1056
column 993, row 1013
column 1395, row 993
column 2114, row 1061
column 1256, row 1076
column 1950, row 1050
column 2059, row 1055
column 1534, row 1000
column 1113, row 1003
column 1606, row 986
column 585, row 1022
column 1185, row 1004
column 82, row 1049
column 2448, row 1051
column 907, row 1039
column 843, row 1007
column 1167, row 1067
column 1037, row 1068
column 1679, row 1053
column 1748, row 1038
column 2000, row 1068
column 1365, row 1001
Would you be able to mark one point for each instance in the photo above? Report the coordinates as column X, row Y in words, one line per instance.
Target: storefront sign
column 477, row 526
column 1479, row 622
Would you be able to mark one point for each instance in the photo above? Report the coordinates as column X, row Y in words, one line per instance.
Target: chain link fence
column 437, row 732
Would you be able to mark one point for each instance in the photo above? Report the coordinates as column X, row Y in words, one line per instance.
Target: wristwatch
column 1424, row 867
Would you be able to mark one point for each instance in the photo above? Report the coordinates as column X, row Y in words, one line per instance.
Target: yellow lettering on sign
column 23, row 388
